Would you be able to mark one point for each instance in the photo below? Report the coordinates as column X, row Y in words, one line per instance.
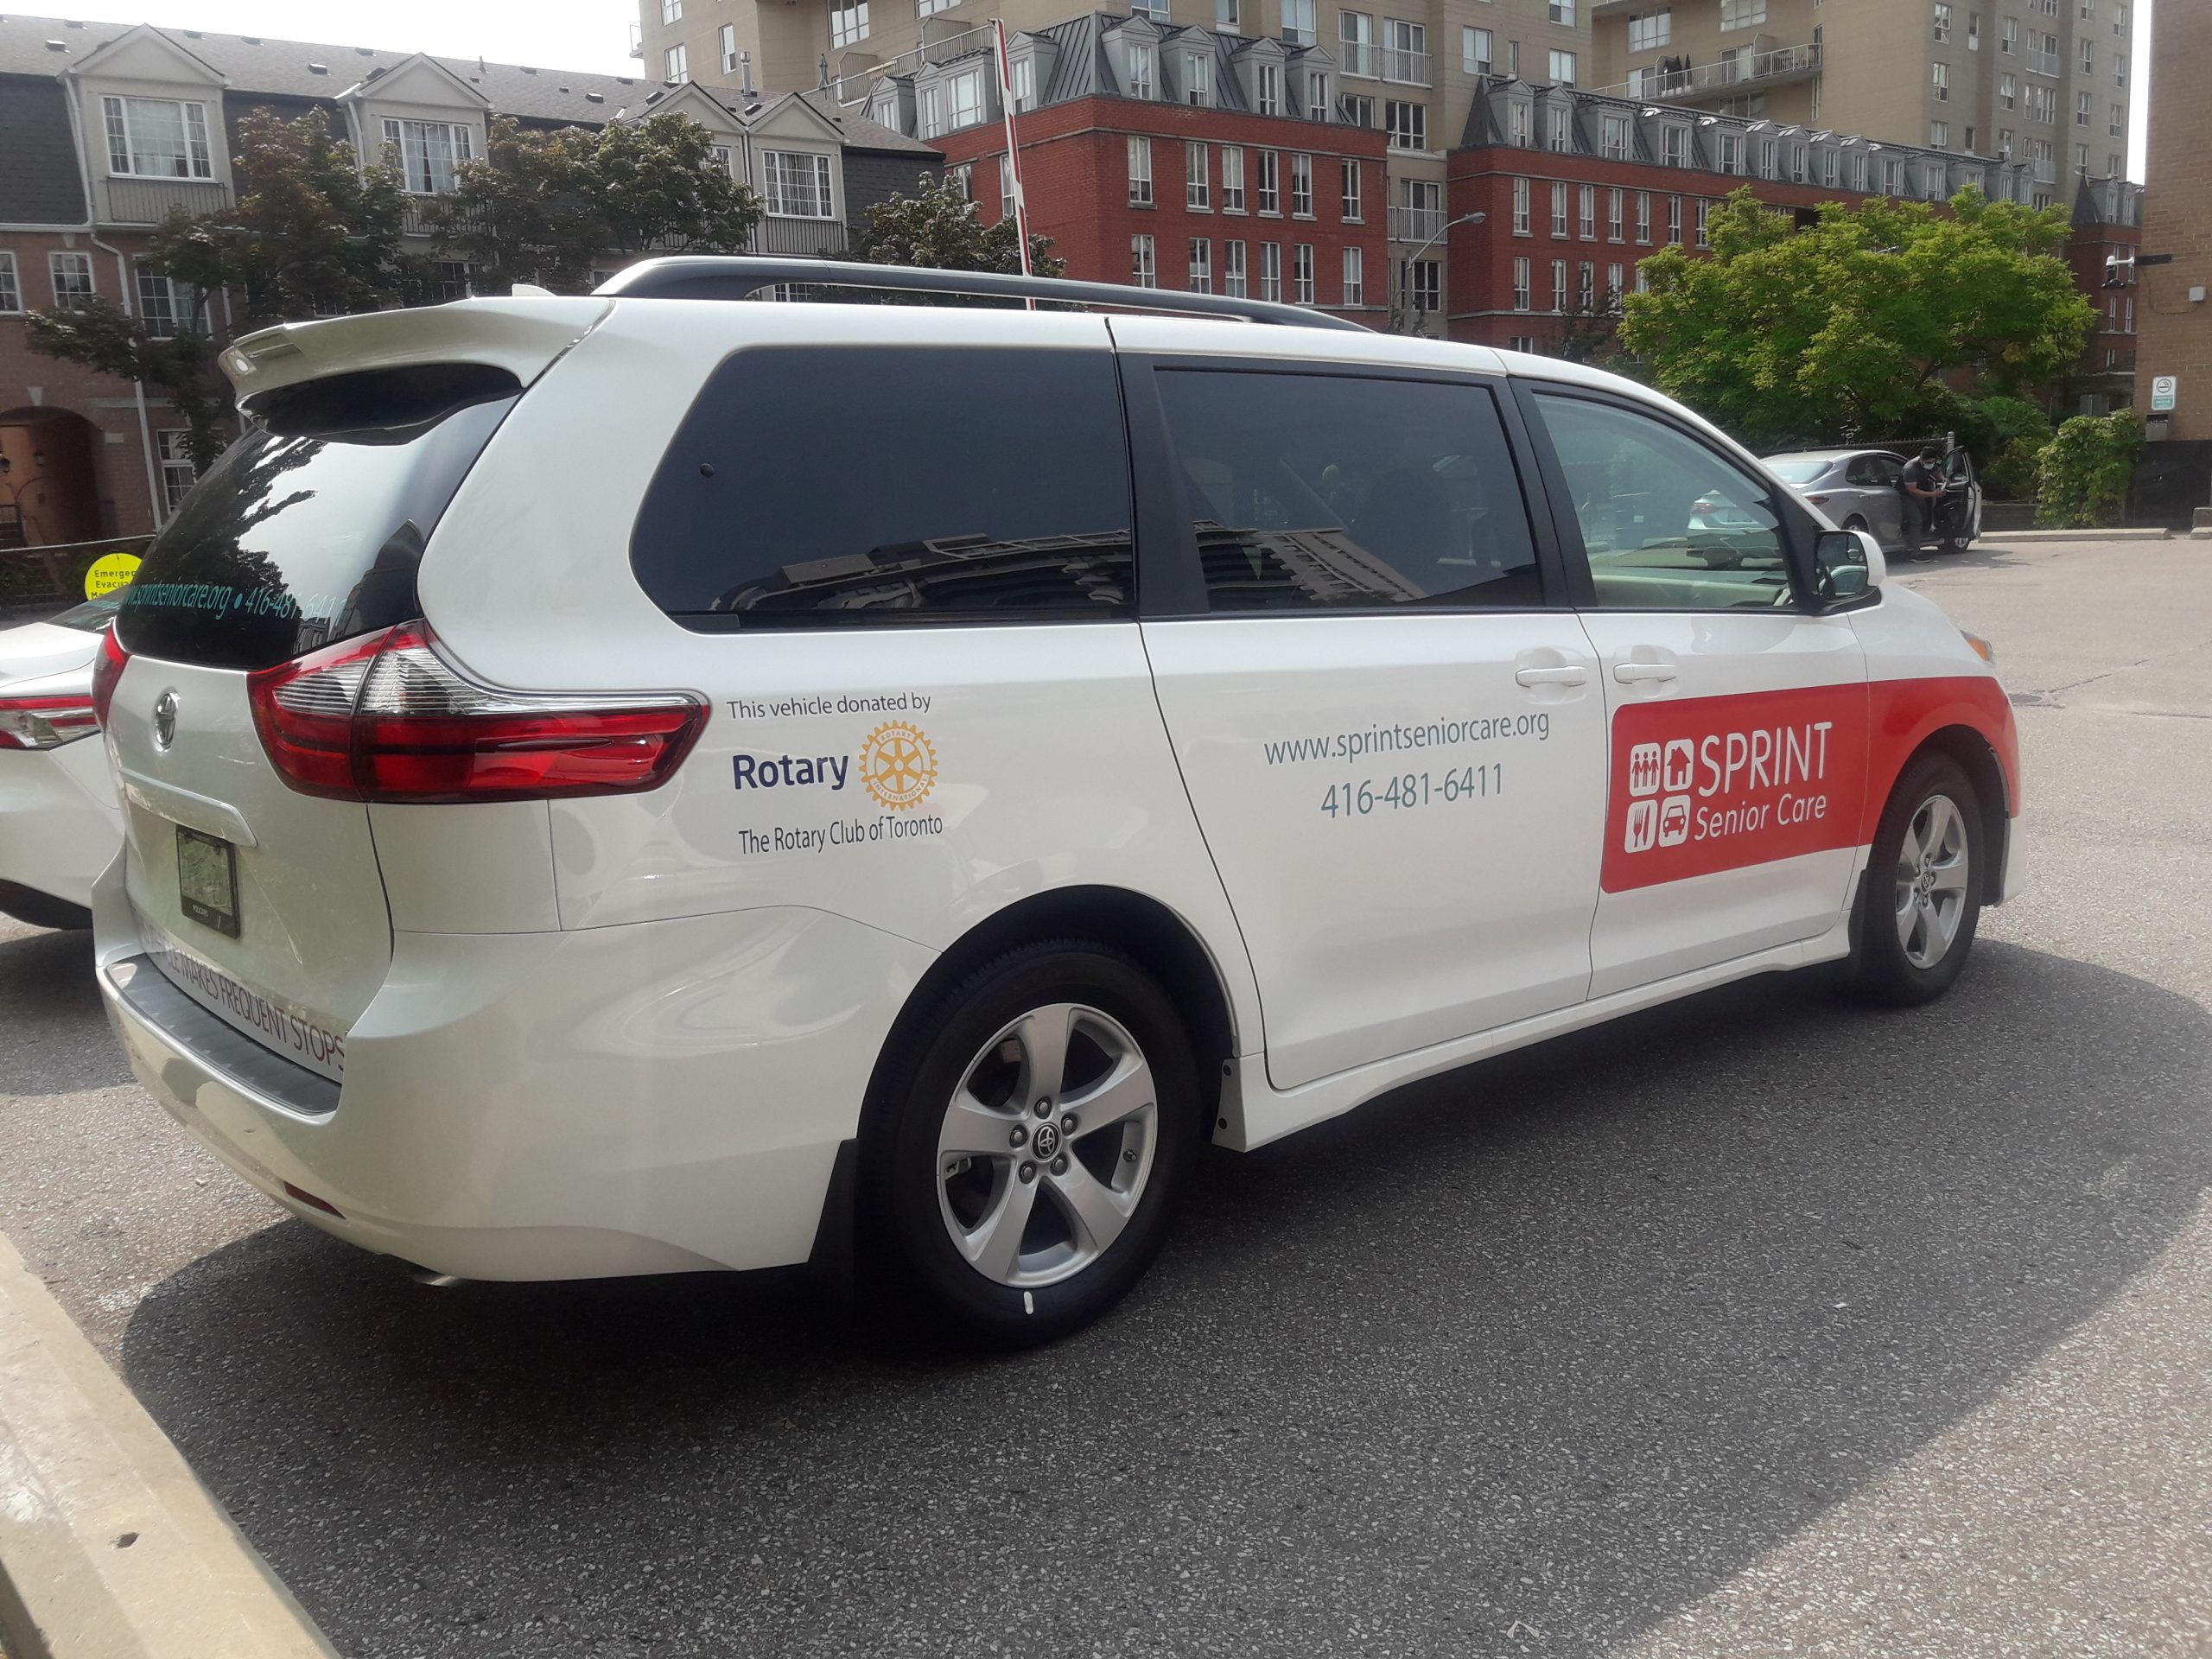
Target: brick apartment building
column 2173, row 312
column 106, row 129
column 1230, row 178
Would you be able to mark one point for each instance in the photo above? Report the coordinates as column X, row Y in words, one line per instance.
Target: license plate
column 207, row 880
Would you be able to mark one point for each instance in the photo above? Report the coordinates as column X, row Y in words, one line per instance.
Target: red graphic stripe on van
column 387, row 718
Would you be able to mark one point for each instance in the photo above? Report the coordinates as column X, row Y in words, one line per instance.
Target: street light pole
column 1411, row 311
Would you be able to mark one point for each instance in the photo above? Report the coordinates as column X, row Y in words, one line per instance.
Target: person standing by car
column 1923, row 485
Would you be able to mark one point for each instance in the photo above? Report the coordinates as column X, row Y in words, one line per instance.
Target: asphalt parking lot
column 1759, row 1324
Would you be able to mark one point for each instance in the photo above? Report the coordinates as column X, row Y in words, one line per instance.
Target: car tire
column 1855, row 523
column 1920, row 902
column 993, row 1219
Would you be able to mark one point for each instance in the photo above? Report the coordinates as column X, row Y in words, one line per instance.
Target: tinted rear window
column 816, row 485
column 294, row 541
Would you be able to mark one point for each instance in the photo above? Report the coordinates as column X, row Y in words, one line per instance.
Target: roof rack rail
column 739, row 276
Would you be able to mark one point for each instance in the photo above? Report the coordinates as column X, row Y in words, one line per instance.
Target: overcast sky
column 595, row 34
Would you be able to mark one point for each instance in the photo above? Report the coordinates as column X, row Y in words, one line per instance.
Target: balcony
column 1741, row 70
column 821, row 237
column 1407, row 68
column 148, row 201
column 1356, row 58
column 1415, row 224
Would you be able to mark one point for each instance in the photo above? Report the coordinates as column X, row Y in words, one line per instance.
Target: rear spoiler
column 522, row 336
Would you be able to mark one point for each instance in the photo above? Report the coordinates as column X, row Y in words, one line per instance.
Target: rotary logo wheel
column 899, row 766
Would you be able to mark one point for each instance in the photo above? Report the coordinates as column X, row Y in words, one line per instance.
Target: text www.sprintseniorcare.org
column 1398, row 739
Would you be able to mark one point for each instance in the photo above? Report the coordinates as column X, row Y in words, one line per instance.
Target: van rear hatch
column 261, row 900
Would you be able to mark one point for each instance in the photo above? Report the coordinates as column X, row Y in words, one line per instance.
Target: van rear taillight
column 386, row 718
column 107, row 669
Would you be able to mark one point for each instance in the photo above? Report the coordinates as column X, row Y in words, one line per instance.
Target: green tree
column 1846, row 328
column 2086, row 470
column 938, row 228
column 313, row 232
column 548, row 207
column 181, row 369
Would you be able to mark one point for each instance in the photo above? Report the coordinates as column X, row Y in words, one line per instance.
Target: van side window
column 818, row 486
column 1312, row 491
column 1667, row 523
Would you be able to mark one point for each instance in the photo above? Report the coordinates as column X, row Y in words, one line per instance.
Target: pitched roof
column 254, row 63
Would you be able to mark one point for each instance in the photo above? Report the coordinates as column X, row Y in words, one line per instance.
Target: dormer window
column 1517, row 124
column 1198, row 78
column 1143, row 62
column 1025, row 83
column 1317, row 95
column 1561, row 128
column 157, row 139
column 1269, row 98
column 1613, row 130
column 796, row 183
column 1675, row 147
column 428, row 151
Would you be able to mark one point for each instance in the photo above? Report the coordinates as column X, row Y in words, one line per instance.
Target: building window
column 1520, row 206
column 168, row 307
column 1316, row 96
column 1140, row 172
column 1520, row 343
column 1197, row 192
column 2120, row 69
column 1675, row 147
column 1643, row 217
column 1006, row 187
column 1354, row 212
column 1704, row 224
column 72, row 275
column 1477, row 47
column 1155, row 9
column 1973, row 31
column 1301, row 274
column 1742, row 13
column 1613, row 288
column 796, row 184
column 962, row 181
column 1025, row 83
column 1269, row 98
column 1232, row 269
column 1198, row 78
column 848, row 23
column 1355, row 43
column 1939, row 135
column 2117, row 127
column 1271, row 270
column 1405, row 52
column 1517, row 123
column 1559, row 210
column 1301, row 186
column 1674, row 221
column 1141, row 62
column 178, row 474
column 1563, row 67
column 2008, row 36
column 1144, row 265
column 1587, row 216
column 726, row 41
column 1232, row 179
column 1297, row 18
column 1421, row 285
column 1939, row 75
column 1613, row 137
column 1358, row 110
column 1559, row 130
column 1797, row 163
column 1942, row 24
column 1409, row 124
column 11, row 285
column 672, row 11
column 1559, row 285
column 1612, row 215
column 2081, row 158
column 1354, row 277
column 1585, row 295
column 1731, row 153
column 157, row 139
column 1521, row 284
column 2089, row 58
column 1269, row 181
column 1201, row 265
column 428, row 151
column 2008, row 92
column 1227, row 16
column 679, row 62
column 1562, row 11
column 1648, row 29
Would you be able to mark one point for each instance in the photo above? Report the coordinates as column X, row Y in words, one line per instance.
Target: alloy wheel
column 1931, row 881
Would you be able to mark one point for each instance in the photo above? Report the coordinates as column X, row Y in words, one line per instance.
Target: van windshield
column 292, row 542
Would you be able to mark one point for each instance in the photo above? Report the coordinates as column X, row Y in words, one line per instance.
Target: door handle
column 1573, row 674
column 1629, row 673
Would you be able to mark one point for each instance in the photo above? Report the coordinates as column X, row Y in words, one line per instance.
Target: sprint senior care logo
column 1652, row 769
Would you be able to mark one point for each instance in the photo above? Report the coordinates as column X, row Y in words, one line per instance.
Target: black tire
column 910, row 1204
column 1856, row 523
column 1883, row 967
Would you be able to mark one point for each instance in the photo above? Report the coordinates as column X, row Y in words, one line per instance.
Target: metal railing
column 1355, row 58
column 1744, row 69
column 778, row 234
column 1407, row 68
column 148, row 201
column 1415, row 224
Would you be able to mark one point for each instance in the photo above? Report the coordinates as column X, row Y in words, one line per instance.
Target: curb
column 2001, row 536
column 83, row 1469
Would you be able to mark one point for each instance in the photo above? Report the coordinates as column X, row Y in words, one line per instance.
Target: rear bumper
column 658, row 1098
column 60, row 825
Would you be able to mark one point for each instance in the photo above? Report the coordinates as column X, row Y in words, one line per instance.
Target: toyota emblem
column 165, row 719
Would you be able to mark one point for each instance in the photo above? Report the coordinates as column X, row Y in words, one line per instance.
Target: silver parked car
column 1863, row 489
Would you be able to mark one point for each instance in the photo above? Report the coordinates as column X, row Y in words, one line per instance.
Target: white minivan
column 655, row 781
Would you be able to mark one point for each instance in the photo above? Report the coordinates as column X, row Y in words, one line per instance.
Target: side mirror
column 1846, row 565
